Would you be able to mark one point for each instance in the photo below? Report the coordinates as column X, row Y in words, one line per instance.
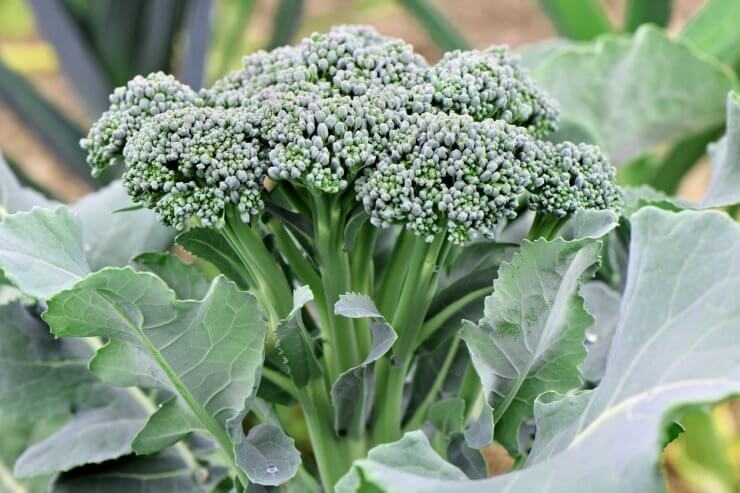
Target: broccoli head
column 452, row 148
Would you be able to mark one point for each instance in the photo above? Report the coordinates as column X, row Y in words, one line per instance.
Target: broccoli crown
column 130, row 107
column 451, row 173
column 492, row 85
column 446, row 149
column 567, row 177
column 189, row 163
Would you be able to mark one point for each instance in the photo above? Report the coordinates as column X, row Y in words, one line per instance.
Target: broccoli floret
column 567, row 177
column 189, row 163
column 130, row 107
column 261, row 70
column 316, row 137
column 492, row 85
column 448, row 173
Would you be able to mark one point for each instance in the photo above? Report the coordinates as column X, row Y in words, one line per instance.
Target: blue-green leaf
column 531, row 338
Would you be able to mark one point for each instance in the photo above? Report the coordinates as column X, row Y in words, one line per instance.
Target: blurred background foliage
column 59, row 60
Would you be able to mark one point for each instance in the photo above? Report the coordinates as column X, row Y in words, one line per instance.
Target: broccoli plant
column 343, row 208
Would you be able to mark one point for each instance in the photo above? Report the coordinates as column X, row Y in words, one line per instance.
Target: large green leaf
column 92, row 436
column 14, row 197
column 207, row 353
column 677, row 344
column 39, row 377
column 164, row 473
column 208, row 245
column 187, row 281
column 634, row 93
column 530, row 339
column 112, row 238
column 410, row 455
column 725, row 155
column 602, row 302
column 41, row 251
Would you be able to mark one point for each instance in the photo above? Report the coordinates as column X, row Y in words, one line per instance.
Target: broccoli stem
column 416, row 293
column 335, row 276
column 297, row 259
column 362, row 276
column 389, row 289
column 433, row 324
column 333, row 457
column 272, row 288
column 546, row 226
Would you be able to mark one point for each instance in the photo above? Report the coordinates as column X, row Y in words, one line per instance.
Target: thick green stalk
column 407, row 320
column 335, row 276
column 545, row 226
column 362, row 278
column 394, row 273
column 300, row 266
column 331, row 455
column 272, row 288
column 434, row 323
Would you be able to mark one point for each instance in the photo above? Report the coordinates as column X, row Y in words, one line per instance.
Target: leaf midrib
column 561, row 299
column 203, row 416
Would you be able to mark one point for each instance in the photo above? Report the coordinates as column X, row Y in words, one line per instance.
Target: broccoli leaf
column 589, row 223
column 530, row 339
column 110, row 239
column 634, row 93
column 187, row 281
column 41, row 251
column 352, row 392
column 410, row 455
column 39, row 377
column 209, row 245
column 163, row 473
column 669, row 351
column 295, row 343
column 602, row 302
column 724, row 154
column 268, row 455
column 92, row 436
column 207, row 353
